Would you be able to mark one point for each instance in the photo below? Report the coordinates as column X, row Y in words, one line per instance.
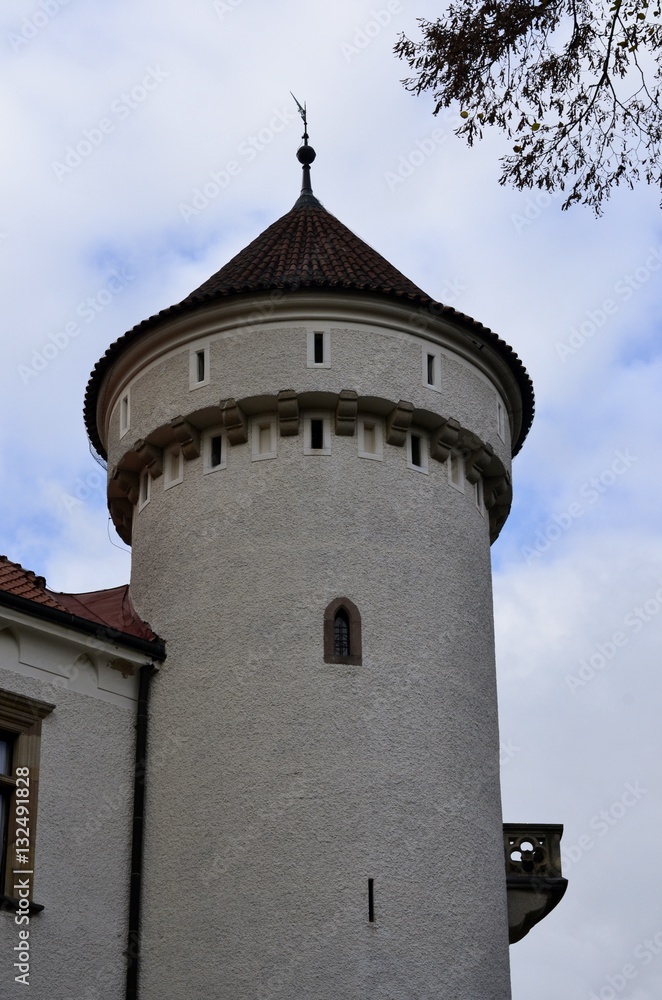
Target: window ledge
column 9, row 904
column 352, row 661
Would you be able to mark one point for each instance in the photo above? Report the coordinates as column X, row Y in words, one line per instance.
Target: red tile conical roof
column 308, row 248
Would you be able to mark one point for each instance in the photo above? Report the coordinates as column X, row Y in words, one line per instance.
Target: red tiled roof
column 308, row 248
column 23, row 583
column 111, row 608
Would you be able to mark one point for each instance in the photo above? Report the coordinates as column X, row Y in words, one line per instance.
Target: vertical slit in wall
column 319, row 348
column 200, row 361
column 371, row 900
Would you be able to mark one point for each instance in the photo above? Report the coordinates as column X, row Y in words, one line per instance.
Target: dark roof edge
column 155, row 649
column 436, row 310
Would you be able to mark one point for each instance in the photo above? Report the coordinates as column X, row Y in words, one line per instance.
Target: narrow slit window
column 341, row 633
column 370, row 439
column 143, row 491
column 371, row 900
column 318, row 348
column 316, row 433
column 431, row 379
column 125, row 414
column 6, row 787
column 201, row 372
column 456, row 471
column 216, row 451
column 416, row 451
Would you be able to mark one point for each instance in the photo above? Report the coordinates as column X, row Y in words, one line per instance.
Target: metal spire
column 305, row 153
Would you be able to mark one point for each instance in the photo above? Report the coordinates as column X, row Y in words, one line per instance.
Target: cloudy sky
column 116, row 116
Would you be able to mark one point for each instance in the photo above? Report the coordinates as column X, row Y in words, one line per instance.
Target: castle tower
column 310, row 457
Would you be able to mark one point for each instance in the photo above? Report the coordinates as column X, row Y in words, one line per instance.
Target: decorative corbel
column 187, row 437
column 443, row 439
column 235, row 422
column 127, row 483
column 288, row 413
column 151, row 457
column 346, row 410
column 398, row 423
column 477, row 461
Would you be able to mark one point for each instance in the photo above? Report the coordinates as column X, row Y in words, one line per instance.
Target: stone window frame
column 208, row 435
column 436, row 355
column 125, row 412
column 258, row 423
column 326, row 349
column 21, row 717
column 378, row 425
column 424, row 467
column 326, row 432
column 169, row 480
column 355, row 657
column 194, row 382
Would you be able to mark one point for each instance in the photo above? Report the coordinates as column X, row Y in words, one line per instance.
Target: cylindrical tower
column 310, row 457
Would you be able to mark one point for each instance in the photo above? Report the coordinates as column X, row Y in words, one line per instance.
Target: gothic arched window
column 342, row 632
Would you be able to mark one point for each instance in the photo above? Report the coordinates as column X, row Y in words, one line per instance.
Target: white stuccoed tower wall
column 279, row 783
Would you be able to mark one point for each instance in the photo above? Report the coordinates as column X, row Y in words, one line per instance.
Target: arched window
column 342, row 632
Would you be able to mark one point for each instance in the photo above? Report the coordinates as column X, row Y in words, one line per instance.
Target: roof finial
column 305, row 153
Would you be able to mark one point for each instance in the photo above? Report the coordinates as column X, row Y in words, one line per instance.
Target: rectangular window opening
column 318, row 349
column 200, row 365
column 371, row 900
column 416, row 451
column 431, row 369
column 264, row 439
column 124, row 414
column 6, row 790
column 143, row 492
column 216, row 451
column 370, row 439
column 316, row 433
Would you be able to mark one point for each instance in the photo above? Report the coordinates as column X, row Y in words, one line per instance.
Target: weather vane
column 302, row 112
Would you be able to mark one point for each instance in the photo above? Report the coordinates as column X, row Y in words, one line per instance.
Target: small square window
column 214, row 450
column 316, row 435
column 263, row 444
column 144, row 489
column 417, row 451
column 319, row 349
column 199, row 367
column 173, row 467
column 432, row 368
column 456, row 472
column 125, row 414
column 371, row 438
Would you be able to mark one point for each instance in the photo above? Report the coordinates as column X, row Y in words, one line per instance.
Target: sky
column 144, row 144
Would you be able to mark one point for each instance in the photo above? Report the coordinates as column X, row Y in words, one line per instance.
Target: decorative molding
column 150, row 457
column 443, row 439
column 288, row 412
column 346, row 411
column 187, row 437
column 477, row 462
column 398, row 423
column 235, row 422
